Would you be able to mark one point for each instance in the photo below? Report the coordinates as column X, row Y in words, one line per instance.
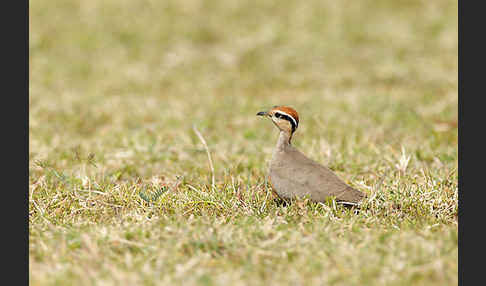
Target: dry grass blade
column 199, row 135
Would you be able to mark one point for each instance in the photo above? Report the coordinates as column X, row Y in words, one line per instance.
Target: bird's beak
column 262, row 113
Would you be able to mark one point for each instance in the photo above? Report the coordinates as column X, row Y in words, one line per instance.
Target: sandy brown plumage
column 293, row 174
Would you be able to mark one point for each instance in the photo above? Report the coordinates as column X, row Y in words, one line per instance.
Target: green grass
column 116, row 88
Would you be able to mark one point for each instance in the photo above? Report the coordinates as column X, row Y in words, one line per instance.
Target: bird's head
column 284, row 117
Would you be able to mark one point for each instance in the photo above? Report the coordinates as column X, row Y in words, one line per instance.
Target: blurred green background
column 124, row 82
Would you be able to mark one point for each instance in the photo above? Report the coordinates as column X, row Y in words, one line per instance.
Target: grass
column 121, row 189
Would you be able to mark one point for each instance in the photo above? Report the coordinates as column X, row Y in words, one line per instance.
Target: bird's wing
column 320, row 180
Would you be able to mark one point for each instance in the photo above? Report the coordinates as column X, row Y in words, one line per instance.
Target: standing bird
column 293, row 174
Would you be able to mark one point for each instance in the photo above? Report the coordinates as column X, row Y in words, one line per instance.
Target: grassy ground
column 117, row 86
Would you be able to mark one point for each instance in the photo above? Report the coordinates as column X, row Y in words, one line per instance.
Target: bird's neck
column 284, row 139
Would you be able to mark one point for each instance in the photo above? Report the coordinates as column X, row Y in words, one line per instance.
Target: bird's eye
column 278, row 115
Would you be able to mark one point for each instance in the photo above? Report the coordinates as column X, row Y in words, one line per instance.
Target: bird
column 292, row 174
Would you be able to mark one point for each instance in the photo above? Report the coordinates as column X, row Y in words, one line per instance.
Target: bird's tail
column 353, row 197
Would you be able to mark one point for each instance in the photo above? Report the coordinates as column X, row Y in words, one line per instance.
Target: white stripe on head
column 285, row 113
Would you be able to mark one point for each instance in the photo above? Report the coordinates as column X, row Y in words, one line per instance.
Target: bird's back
column 292, row 173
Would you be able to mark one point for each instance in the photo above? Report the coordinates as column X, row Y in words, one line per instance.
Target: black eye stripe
column 288, row 118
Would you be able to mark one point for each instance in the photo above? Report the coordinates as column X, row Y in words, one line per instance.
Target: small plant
column 152, row 196
column 49, row 169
